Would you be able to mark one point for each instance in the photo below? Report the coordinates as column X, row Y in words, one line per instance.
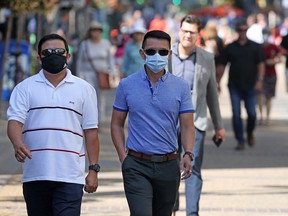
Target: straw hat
column 95, row 25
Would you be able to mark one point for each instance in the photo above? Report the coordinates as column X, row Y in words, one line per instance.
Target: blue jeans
column 193, row 185
column 249, row 98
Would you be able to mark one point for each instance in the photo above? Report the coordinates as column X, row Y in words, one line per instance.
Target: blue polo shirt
column 153, row 112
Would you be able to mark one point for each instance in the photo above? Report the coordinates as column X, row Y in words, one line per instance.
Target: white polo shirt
column 54, row 119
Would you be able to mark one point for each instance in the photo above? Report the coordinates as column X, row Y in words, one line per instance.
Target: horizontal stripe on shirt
column 57, row 129
column 60, row 150
column 56, row 107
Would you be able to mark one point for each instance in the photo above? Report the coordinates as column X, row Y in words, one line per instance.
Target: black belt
column 154, row 158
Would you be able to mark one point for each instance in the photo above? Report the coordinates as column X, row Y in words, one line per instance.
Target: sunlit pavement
column 250, row 182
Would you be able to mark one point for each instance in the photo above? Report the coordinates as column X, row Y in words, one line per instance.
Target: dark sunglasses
column 57, row 51
column 241, row 30
column 162, row 52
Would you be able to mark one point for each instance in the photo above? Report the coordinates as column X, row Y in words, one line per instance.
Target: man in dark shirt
column 246, row 73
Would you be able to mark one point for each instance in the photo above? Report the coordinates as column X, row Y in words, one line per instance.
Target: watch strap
column 190, row 154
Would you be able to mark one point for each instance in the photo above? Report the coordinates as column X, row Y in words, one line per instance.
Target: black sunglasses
column 57, row 51
column 162, row 52
column 241, row 30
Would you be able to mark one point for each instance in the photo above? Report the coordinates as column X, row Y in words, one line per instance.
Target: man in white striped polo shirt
column 49, row 116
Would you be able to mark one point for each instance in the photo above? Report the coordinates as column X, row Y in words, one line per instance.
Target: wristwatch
column 95, row 167
column 190, row 154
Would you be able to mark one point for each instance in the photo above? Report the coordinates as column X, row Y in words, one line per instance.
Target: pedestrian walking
column 154, row 100
column 246, row 74
column 132, row 61
column 95, row 61
column 49, row 116
column 197, row 66
column 212, row 42
column 264, row 98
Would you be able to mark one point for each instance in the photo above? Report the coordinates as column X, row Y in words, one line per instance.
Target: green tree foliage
column 18, row 6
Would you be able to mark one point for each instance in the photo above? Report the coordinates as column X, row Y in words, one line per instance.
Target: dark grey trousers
column 150, row 187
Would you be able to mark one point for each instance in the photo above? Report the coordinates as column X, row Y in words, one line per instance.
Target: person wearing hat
column 132, row 61
column 95, row 56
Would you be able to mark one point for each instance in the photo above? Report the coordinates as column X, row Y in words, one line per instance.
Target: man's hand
column 21, row 152
column 14, row 132
column 91, row 182
column 220, row 134
column 186, row 167
column 122, row 158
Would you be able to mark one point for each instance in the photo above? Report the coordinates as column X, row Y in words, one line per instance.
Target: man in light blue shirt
column 155, row 100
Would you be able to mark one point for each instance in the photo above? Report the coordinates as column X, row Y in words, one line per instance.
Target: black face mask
column 54, row 63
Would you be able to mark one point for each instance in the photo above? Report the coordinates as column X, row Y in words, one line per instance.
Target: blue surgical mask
column 156, row 62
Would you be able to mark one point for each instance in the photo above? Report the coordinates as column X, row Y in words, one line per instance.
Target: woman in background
column 273, row 56
column 132, row 60
column 94, row 57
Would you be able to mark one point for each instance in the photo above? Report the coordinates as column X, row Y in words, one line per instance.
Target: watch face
column 95, row 167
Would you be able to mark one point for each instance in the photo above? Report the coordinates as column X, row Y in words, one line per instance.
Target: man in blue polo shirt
column 155, row 100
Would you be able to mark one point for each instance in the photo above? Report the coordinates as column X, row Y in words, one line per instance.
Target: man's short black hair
column 241, row 23
column 156, row 34
column 51, row 37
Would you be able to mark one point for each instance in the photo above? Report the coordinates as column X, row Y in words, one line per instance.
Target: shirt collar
column 145, row 77
column 175, row 50
column 68, row 78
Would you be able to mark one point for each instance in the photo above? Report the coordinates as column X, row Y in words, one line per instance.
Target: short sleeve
column 90, row 111
column 18, row 104
column 120, row 102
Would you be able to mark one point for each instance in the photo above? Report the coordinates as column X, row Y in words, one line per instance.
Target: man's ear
column 39, row 59
column 142, row 53
column 68, row 57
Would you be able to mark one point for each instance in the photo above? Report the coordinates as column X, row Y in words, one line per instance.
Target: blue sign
column 17, row 65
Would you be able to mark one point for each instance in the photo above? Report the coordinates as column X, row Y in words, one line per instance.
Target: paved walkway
column 247, row 183
column 226, row 192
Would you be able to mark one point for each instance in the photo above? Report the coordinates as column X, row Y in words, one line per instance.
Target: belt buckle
column 158, row 158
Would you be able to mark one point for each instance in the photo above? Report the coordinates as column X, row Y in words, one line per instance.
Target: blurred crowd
column 215, row 35
column 217, row 31
column 120, row 44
